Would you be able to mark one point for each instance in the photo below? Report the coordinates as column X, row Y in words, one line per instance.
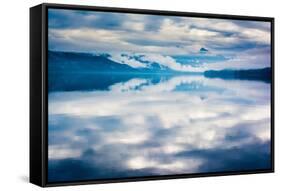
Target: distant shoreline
column 263, row 74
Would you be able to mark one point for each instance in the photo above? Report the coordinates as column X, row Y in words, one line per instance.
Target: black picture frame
column 39, row 92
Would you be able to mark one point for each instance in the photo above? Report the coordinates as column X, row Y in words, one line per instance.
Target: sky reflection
column 139, row 127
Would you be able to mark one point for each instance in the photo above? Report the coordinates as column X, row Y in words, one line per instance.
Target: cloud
column 252, row 156
column 130, row 85
column 169, row 62
column 249, row 59
column 181, row 166
column 62, row 152
column 146, row 60
column 90, row 31
column 73, row 19
column 125, row 59
column 163, row 125
column 178, row 125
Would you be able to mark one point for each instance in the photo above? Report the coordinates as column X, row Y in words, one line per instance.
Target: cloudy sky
column 242, row 43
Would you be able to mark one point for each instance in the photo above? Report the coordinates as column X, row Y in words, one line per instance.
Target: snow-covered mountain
column 123, row 62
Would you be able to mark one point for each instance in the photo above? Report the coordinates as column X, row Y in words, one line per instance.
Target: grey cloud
column 146, row 33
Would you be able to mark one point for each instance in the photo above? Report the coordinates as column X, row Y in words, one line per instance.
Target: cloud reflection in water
column 184, row 124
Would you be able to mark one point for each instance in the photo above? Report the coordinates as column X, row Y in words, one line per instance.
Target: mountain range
column 70, row 71
column 86, row 62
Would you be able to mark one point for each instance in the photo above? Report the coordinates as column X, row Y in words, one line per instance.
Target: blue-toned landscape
column 142, row 95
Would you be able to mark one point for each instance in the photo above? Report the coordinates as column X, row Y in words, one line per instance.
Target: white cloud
column 175, row 36
column 145, row 129
column 145, row 60
column 170, row 63
column 63, row 151
column 122, row 59
column 130, row 85
column 183, row 166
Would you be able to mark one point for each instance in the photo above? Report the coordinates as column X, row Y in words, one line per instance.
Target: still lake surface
column 121, row 125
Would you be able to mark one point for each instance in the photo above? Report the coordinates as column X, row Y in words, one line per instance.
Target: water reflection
column 144, row 125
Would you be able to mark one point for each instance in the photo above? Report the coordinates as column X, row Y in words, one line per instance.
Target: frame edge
column 35, row 97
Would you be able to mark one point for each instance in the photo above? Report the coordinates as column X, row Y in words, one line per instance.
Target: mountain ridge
column 72, row 61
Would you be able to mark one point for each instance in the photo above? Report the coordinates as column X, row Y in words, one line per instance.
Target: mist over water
column 127, row 125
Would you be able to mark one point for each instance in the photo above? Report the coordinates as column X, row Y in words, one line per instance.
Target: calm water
column 114, row 126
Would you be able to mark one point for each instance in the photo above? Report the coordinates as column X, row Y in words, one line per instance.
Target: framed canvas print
column 128, row 94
